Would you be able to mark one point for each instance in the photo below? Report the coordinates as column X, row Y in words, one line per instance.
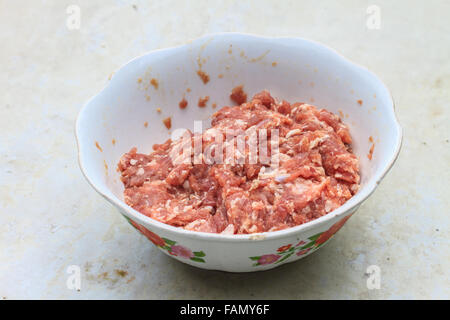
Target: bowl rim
column 347, row 207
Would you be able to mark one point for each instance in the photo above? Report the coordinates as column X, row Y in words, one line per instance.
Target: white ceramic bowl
column 290, row 68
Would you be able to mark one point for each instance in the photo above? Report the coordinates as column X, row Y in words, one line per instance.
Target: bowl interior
column 124, row 114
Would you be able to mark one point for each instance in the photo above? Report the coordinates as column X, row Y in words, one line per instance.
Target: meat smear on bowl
column 264, row 165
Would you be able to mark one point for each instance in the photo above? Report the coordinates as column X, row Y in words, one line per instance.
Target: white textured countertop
column 51, row 218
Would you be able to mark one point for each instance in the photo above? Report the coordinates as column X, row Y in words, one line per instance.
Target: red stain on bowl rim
column 370, row 155
column 183, row 103
column 202, row 101
column 168, row 122
column 98, row 146
column 203, row 75
column 154, row 82
column 238, row 95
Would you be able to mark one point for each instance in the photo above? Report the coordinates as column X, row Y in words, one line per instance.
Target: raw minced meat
column 316, row 172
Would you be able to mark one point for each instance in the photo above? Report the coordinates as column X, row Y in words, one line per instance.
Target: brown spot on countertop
column 360, row 102
column 103, row 275
column 202, row 101
column 121, row 273
column 220, row 76
column 168, row 122
column 98, row 146
column 274, row 64
column 183, row 103
column 113, row 141
column 203, row 75
column 238, row 95
column 214, row 105
column 188, row 90
column 158, row 110
column 105, row 165
column 146, row 124
column 154, row 82
column 371, row 139
column 139, row 80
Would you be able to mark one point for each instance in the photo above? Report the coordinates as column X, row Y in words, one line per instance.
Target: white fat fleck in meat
column 140, row 171
column 293, row 133
column 300, row 188
column 317, row 141
column 209, row 208
column 228, row 230
column 133, row 162
column 151, row 163
column 268, row 172
column 240, row 123
column 233, row 203
column 328, row 206
column 283, row 157
column 282, row 177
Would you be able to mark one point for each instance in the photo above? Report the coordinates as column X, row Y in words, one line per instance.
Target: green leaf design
column 199, row 254
column 255, row 264
column 308, row 245
column 315, row 237
column 169, row 242
column 165, row 247
column 128, row 219
column 255, row 258
column 285, row 257
column 196, row 259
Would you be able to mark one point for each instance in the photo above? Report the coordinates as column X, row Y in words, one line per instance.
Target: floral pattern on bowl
column 170, row 246
column 301, row 248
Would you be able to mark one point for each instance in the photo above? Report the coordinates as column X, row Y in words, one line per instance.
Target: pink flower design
column 268, row 259
column 182, row 252
column 300, row 243
column 302, row 252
